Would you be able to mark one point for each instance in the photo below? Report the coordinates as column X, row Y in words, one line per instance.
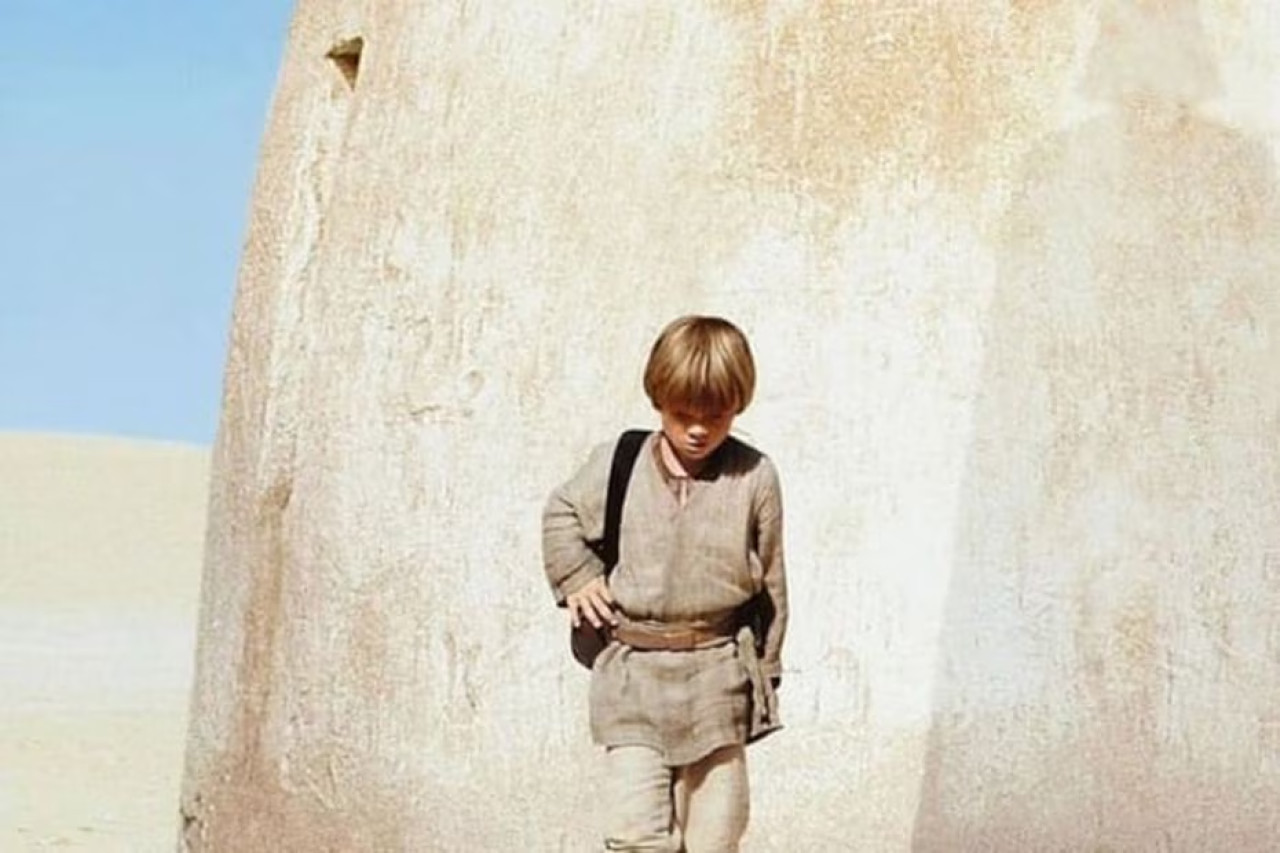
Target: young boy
column 695, row 608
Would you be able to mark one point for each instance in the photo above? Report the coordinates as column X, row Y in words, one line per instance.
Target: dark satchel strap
column 586, row 641
column 624, row 461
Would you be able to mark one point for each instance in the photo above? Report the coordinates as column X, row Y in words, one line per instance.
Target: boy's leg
column 638, row 804
column 714, row 801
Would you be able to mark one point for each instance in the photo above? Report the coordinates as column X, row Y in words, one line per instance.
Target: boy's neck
column 676, row 466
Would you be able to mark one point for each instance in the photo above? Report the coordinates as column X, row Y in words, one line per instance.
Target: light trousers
column 697, row 808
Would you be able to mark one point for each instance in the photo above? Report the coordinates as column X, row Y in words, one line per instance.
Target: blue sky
column 129, row 131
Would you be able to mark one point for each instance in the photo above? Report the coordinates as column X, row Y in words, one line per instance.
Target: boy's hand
column 594, row 603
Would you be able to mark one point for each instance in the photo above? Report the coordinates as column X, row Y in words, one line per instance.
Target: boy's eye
column 691, row 417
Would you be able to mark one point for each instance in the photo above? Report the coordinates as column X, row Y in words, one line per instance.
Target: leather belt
column 670, row 636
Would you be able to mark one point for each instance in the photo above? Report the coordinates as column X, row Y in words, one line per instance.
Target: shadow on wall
column 1107, row 675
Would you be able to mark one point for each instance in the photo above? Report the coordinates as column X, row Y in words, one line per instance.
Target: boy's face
column 695, row 433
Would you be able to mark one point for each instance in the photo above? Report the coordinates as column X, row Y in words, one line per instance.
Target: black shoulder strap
column 624, row 460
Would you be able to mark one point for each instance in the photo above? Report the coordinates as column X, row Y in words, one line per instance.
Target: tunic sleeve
column 768, row 543
column 572, row 521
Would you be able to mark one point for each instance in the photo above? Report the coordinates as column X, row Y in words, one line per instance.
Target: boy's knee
column 719, row 806
column 722, row 836
column 638, row 802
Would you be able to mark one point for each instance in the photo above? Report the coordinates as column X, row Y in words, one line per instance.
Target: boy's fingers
column 580, row 608
column 588, row 610
column 594, row 603
column 602, row 611
column 609, row 613
column 604, row 608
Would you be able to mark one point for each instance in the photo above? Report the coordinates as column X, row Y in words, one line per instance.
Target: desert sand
column 100, row 552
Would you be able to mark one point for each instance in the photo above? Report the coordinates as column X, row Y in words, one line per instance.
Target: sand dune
column 100, row 549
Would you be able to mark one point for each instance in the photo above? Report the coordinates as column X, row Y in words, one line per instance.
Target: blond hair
column 701, row 362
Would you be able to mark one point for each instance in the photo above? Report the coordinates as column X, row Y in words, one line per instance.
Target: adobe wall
column 1009, row 271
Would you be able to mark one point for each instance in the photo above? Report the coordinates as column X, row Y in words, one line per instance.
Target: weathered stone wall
column 1010, row 273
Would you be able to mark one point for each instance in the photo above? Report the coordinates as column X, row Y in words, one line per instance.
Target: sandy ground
column 100, row 547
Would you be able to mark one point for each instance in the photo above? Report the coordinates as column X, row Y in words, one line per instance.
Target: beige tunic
column 698, row 562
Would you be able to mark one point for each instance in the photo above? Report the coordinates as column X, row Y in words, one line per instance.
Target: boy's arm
column 769, row 548
column 572, row 518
